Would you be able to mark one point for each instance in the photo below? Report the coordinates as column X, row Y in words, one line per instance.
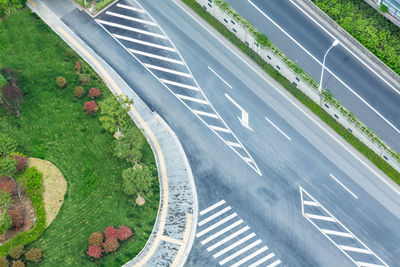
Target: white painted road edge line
column 333, row 74
column 348, row 190
column 216, row 205
column 216, row 74
column 276, row 127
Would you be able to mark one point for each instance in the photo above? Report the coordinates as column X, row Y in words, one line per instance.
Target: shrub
column 8, row 167
column 110, row 232
column 16, row 252
column 90, row 107
column 95, row 252
column 69, row 52
column 61, row 81
column 94, row 93
column 111, row 245
column 34, row 254
column 33, row 181
column 4, row 262
column 129, row 146
column 383, row 8
column 137, row 181
column 5, row 222
column 5, row 200
column 79, row 91
column 124, row 232
column 96, row 239
column 8, row 186
column 84, row 79
column 18, row 263
column 7, row 145
column 21, row 161
column 17, row 217
column 12, row 96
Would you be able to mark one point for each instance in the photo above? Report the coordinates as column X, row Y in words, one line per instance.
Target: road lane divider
column 216, row 74
column 279, row 130
column 348, row 190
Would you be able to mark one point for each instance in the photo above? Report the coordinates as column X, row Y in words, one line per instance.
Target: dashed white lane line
column 276, row 127
column 189, row 98
column 233, row 144
column 262, row 260
column 331, row 232
column 215, row 215
column 348, row 190
column 366, row 264
column 184, row 74
column 131, row 8
column 132, row 29
column 243, row 250
column 186, row 86
column 216, row 205
column 228, row 238
column 216, row 74
column 217, row 234
column 333, row 74
column 237, row 243
column 275, row 263
column 354, row 249
column 320, row 217
column 155, row 56
column 143, row 42
column 212, row 227
column 110, row 13
column 252, row 255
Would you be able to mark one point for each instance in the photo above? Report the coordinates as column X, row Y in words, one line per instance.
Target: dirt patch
column 54, row 185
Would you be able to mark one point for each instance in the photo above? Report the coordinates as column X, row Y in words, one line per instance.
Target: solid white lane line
column 327, row 69
column 181, row 85
column 212, row 227
column 217, row 234
column 354, row 249
column 130, row 18
column 237, row 243
column 215, row 215
column 319, row 217
column 211, row 115
column 262, row 260
column 189, row 98
column 275, row 263
column 219, row 129
column 348, row 190
column 366, row 264
column 143, row 42
column 247, row 159
column 226, row 239
column 233, row 144
column 216, row 205
column 155, row 56
column 252, row 255
column 243, row 250
column 150, row 66
column 310, row 203
column 132, row 29
column 331, row 232
column 276, row 127
column 216, row 74
column 131, row 8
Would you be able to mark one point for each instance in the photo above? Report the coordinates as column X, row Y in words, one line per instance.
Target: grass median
column 303, row 98
column 54, row 127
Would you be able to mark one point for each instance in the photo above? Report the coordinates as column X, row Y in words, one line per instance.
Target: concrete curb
column 173, row 233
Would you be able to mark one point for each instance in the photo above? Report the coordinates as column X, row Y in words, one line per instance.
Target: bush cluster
column 94, row 93
column 18, row 255
column 79, row 92
column 90, row 107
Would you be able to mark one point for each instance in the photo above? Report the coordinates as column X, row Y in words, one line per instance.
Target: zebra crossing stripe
column 110, row 13
column 228, row 238
column 131, row 8
column 252, row 255
column 262, row 260
column 216, row 205
column 132, row 29
column 237, row 243
column 226, row 229
column 130, row 39
column 243, row 250
column 215, row 215
column 275, row 263
column 212, row 227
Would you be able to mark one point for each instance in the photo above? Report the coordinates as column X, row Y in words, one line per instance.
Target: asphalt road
column 285, row 211
column 351, row 72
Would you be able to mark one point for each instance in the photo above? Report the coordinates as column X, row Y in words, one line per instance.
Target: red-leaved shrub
column 124, row 232
column 111, row 245
column 17, row 217
column 21, row 162
column 110, row 232
column 96, row 239
column 9, row 186
column 95, row 252
column 94, row 93
column 91, row 107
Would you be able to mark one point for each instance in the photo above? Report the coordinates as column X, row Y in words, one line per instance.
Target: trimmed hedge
column 34, row 189
column 303, row 98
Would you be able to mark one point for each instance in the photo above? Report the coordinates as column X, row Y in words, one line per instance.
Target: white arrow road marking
column 244, row 120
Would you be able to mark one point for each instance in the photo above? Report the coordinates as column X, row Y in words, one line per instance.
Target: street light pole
column 335, row 43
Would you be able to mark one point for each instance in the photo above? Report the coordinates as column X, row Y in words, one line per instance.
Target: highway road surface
column 274, row 187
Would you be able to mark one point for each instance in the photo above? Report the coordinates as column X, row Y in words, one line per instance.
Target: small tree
column 8, row 167
column 5, row 221
column 8, row 186
column 95, row 252
column 114, row 112
column 124, row 232
column 96, row 239
column 5, row 200
column 34, row 255
column 84, row 79
column 110, row 232
column 9, row 6
column 16, row 252
column 90, row 107
column 7, row 145
column 79, row 91
column 61, row 81
column 128, row 147
column 17, row 217
column 12, row 98
column 137, row 181
column 94, row 93
column 111, row 245
column 20, row 159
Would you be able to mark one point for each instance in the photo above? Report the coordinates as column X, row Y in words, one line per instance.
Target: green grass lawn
column 53, row 127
